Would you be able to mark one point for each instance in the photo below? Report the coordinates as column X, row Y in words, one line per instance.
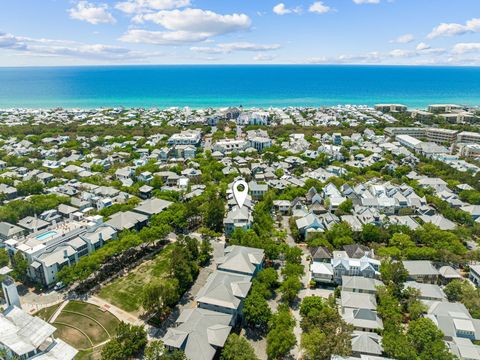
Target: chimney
column 65, row 254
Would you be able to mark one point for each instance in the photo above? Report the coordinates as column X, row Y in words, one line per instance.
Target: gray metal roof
column 199, row 333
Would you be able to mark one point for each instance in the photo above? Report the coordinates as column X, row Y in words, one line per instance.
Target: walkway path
column 57, row 312
column 296, row 352
column 122, row 315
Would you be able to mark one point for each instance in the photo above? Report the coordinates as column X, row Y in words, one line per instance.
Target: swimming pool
column 46, row 235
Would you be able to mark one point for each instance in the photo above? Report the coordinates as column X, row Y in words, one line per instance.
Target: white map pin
column 240, row 195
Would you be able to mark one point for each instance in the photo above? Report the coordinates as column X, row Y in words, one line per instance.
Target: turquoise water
column 46, row 235
column 248, row 85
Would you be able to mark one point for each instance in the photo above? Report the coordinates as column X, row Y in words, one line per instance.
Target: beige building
column 468, row 137
column 387, row 108
column 438, row 135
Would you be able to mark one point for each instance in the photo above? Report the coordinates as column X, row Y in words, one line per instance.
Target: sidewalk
column 122, row 315
column 57, row 312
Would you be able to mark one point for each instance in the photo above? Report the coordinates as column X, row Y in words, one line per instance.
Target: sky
column 115, row 32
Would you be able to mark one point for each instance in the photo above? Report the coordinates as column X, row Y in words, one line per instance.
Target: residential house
column 127, row 220
column 199, row 333
column 421, row 271
column 224, row 292
column 241, row 260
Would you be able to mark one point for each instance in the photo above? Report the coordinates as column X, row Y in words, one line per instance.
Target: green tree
column 372, row 234
column 159, row 296
column 427, row 340
column 346, row 207
column 214, row 214
column 268, row 279
column 290, row 288
column 4, row 258
column 324, row 331
column 394, row 275
column 113, row 350
column 454, row 290
column 401, row 241
column 237, row 348
column 256, row 310
column 132, row 338
column 29, row 187
column 155, row 350
column 20, row 267
column 280, row 337
column 205, row 251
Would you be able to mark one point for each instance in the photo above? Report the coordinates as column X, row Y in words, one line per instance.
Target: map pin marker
column 239, row 194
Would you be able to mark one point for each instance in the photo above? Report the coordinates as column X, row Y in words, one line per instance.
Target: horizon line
column 239, row 64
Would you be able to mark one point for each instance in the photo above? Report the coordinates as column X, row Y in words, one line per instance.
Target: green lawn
column 46, row 313
column 91, row 328
column 92, row 354
column 124, row 292
column 108, row 320
column 84, row 325
column 72, row 336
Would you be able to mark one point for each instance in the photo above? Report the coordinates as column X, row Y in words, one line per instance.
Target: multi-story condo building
column 386, row 108
column 469, row 150
column 468, row 137
column 443, row 108
column 438, row 135
column 49, row 250
column 187, row 137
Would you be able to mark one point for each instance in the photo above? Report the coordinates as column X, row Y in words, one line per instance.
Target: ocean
column 200, row 86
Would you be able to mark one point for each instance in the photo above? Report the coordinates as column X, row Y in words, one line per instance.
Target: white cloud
column 236, row 46
column 403, row 39
column 281, row 9
column 8, row 41
column 319, row 7
column 263, row 57
column 185, row 26
column 400, row 53
column 140, row 6
column 162, row 37
column 197, row 20
column 94, row 14
column 453, row 29
column 51, row 47
column 462, row 48
column 422, row 46
column 360, row 2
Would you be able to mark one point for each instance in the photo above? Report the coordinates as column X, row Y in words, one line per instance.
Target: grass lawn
column 92, row 354
column 108, row 320
column 94, row 331
column 84, row 325
column 72, row 336
column 46, row 313
column 124, row 292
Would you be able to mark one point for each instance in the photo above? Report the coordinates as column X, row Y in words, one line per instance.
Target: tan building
column 468, row 137
column 388, row 108
column 438, row 135
column 443, row 108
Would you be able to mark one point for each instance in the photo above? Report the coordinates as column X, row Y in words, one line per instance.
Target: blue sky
column 87, row 32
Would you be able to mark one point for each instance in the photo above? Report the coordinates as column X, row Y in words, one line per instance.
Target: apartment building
column 187, row 137
column 416, row 132
column 439, row 135
column 387, row 108
column 468, row 137
column 48, row 251
column 443, row 108
column 469, row 150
